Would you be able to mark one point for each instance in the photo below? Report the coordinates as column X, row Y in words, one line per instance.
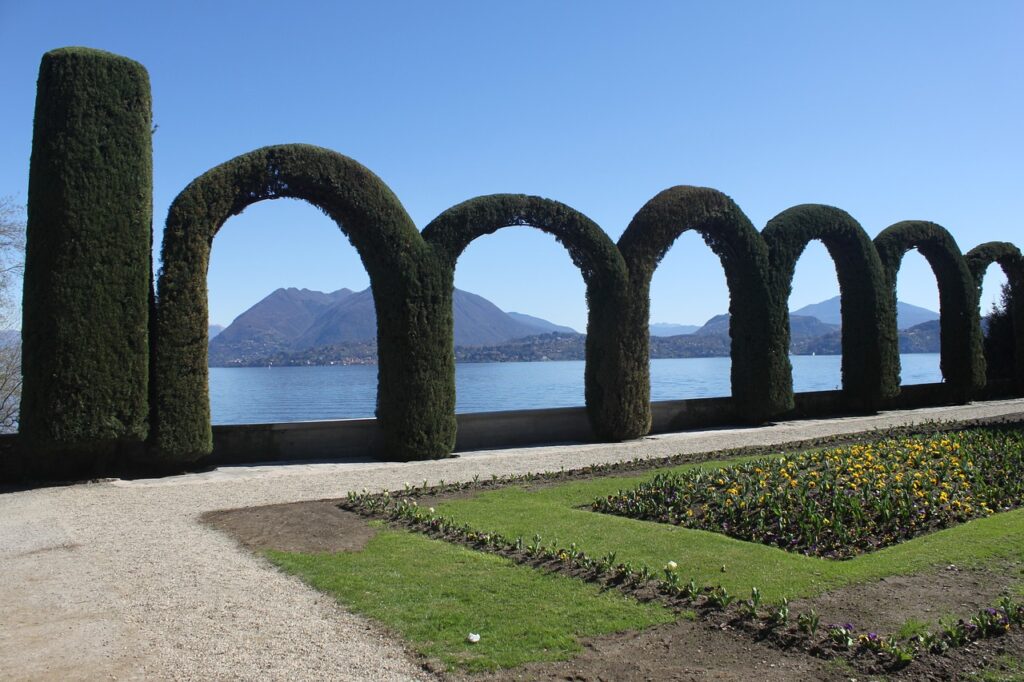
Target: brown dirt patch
column 886, row 604
column 677, row 651
column 296, row 527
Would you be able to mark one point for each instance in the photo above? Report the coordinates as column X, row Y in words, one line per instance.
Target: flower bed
column 843, row 501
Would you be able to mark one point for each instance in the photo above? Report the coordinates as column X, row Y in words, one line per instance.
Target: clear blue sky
column 891, row 111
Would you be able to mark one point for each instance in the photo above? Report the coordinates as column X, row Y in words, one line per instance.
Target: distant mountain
column 717, row 326
column 542, row 326
column 214, row 329
column 907, row 315
column 352, row 318
column 808, row 327
column 292, row 323
column 303, row 327
column 921, row 338
column 800, row 327
column 670, row 329
column 478, row 322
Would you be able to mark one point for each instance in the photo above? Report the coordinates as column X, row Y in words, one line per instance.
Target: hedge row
column 758, row 266
column 416, row 372
column 962, row 360
column 760, row 364
column 870, row 364
column 610, row 392
column 1010, row 260
column 88, row 270
column 88, row 292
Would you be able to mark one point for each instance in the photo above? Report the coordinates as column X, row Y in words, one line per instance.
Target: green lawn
column 434, row 594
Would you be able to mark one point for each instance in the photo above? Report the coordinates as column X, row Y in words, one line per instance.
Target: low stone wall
column 353, row 439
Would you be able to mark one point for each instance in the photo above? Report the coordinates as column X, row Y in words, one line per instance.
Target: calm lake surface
column 258, row 395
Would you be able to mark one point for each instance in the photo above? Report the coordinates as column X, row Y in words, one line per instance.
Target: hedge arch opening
column 870, row 353
column 517, row 268
column 759, row 362
column 697, row 365
column 816, row 360
column 1010, row 261
column 604, row 275
column 415, row 398
column 274, row 270
column 961, row 359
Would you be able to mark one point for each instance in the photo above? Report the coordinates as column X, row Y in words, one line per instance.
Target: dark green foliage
column 88, row 266
column 999, row 340
column 869, row 339
column 416, row 391
column 962, row 361
column 1009, row 325
column 612, row 413
column 760, row 366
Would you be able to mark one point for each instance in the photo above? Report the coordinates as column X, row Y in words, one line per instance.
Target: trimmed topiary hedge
column 603, row 270
column 416, row 391
column 88, row 270
column 962, row 360
column 107, row 363
column 760, row 364
column 869, row 339
column 1010, row 260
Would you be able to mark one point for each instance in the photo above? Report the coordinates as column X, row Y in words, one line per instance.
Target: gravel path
column 118, row 579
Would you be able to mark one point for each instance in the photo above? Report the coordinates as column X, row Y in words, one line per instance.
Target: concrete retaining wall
column 361, row 439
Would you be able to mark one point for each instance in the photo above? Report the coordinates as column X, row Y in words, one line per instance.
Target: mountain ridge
column 301, row 326
column 291, row 321
column 907, row 314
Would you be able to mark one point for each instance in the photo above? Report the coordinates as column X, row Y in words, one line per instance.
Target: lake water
column 260, row 395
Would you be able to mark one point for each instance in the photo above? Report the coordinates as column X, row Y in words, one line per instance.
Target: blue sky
column 891, row 111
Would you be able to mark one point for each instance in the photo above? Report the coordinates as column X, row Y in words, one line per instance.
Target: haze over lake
column 256, row 395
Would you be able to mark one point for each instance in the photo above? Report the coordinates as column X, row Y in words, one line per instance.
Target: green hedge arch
column 869, row 339
column 415, row 394
column 604, row 273
column 962, row 361
column 1010, row 260
column 760, row 364
column 88, row 264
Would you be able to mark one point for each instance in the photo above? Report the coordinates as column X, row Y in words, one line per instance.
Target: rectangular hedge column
column 88, row 264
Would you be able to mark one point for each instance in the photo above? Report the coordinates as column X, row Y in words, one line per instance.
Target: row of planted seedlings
column 773, row 623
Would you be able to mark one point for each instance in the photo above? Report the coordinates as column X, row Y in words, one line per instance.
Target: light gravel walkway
column 120, row 580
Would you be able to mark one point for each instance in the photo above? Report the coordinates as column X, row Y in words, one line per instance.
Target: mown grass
column 434, row 594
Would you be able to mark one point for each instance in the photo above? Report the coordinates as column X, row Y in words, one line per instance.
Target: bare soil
column 307, row 527
column 708, row 649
